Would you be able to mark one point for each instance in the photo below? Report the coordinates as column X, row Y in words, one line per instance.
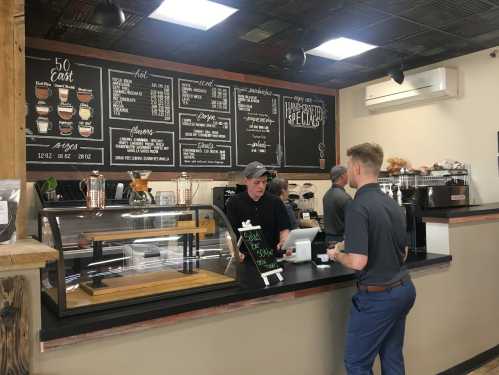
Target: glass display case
column 122, row 255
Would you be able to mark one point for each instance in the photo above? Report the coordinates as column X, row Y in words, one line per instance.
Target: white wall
column 464, row 128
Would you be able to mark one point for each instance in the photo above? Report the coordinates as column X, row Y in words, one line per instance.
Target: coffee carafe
column 184, row 190
column 140, row 194
column 94, row 188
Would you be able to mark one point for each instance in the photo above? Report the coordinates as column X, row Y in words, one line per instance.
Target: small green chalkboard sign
column 260, row 252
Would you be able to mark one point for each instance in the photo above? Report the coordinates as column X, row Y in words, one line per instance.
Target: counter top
column 299, row 280
column 482, row 212
column 26, row 253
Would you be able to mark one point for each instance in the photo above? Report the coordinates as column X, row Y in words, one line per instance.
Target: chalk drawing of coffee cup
column 85, row 130
column 85, row 112
column 42, row 92
column 65, row 111
column 42, row 110
column 84, row 96
column 65, row 128
column 42, row 125
column 63, row 94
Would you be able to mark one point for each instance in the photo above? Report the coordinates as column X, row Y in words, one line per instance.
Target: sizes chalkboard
column 85, row 113
column 261, row 254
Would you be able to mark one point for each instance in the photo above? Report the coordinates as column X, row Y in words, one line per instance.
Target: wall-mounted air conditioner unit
column 432, row 84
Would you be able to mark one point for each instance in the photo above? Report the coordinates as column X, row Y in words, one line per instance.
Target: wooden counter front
column 462, row 219
column 26, row 254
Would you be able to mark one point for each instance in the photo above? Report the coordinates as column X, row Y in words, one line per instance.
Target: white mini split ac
column 437, row 83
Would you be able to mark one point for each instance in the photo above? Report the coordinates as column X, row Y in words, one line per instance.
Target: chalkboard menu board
column 304, row 129
column 260, row 252
column 140, row 96
column 257, row 126
column 86, row 113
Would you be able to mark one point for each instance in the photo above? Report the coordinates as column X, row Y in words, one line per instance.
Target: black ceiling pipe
column 107, row 13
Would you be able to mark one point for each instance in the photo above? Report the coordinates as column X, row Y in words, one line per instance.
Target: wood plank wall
column 12, row 100
column 14, row 327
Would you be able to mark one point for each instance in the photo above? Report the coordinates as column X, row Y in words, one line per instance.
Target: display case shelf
column 122, row 255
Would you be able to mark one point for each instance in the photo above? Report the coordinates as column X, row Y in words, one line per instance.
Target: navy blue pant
column 377, row 326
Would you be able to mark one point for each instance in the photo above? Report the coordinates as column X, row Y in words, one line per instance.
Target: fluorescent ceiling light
column 340, row 48
column 199, row 14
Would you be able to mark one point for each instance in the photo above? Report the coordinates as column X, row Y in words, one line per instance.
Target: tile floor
column 491, row 368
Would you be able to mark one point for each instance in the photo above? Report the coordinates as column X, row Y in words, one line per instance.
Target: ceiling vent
column 265, row 31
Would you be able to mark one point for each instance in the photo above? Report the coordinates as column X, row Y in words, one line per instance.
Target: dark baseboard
column 472, row 363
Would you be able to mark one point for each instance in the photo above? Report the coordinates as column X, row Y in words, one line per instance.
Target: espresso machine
column 402, row 189
column 415, row 227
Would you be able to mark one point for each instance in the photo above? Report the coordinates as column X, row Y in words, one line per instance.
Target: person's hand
column 289, row 252
column 332, row 253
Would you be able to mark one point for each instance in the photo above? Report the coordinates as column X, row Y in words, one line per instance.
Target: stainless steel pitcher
column 94, row 188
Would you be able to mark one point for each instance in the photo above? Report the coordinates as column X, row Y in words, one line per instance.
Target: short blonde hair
column 369, row 154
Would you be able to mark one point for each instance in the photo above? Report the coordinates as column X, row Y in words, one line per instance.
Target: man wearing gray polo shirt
column 334, row 204
column 375, row 246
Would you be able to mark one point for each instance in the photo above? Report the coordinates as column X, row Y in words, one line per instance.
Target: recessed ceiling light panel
column 198, row 14
column 340, row 48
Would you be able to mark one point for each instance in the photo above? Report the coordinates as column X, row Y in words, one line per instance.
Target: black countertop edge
column 447, row 213
column 296, row 277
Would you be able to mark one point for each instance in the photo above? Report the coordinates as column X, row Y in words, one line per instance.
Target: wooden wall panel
column 19, row 123
column 12, row 99
column 14, row 327
column 7, row 96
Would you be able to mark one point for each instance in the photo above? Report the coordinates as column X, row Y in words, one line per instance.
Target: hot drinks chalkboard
column 261, row 254
column 87, row 113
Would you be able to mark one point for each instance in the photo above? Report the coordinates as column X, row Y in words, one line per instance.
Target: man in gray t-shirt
column 334, row 204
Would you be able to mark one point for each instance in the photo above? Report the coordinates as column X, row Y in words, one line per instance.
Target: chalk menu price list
column 141, row 147
column 204, row 126
column 203, row 95
column 205, row 154
column 53, row 151
column 140, row 96
column 257, row 126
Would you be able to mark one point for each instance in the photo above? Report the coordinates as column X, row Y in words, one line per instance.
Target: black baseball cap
column 255, row 169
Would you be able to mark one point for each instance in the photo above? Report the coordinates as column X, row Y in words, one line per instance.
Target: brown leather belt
column 381, row 288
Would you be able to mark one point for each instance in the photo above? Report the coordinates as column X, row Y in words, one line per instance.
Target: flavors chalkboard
column 87, row 113
column 140, row 146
